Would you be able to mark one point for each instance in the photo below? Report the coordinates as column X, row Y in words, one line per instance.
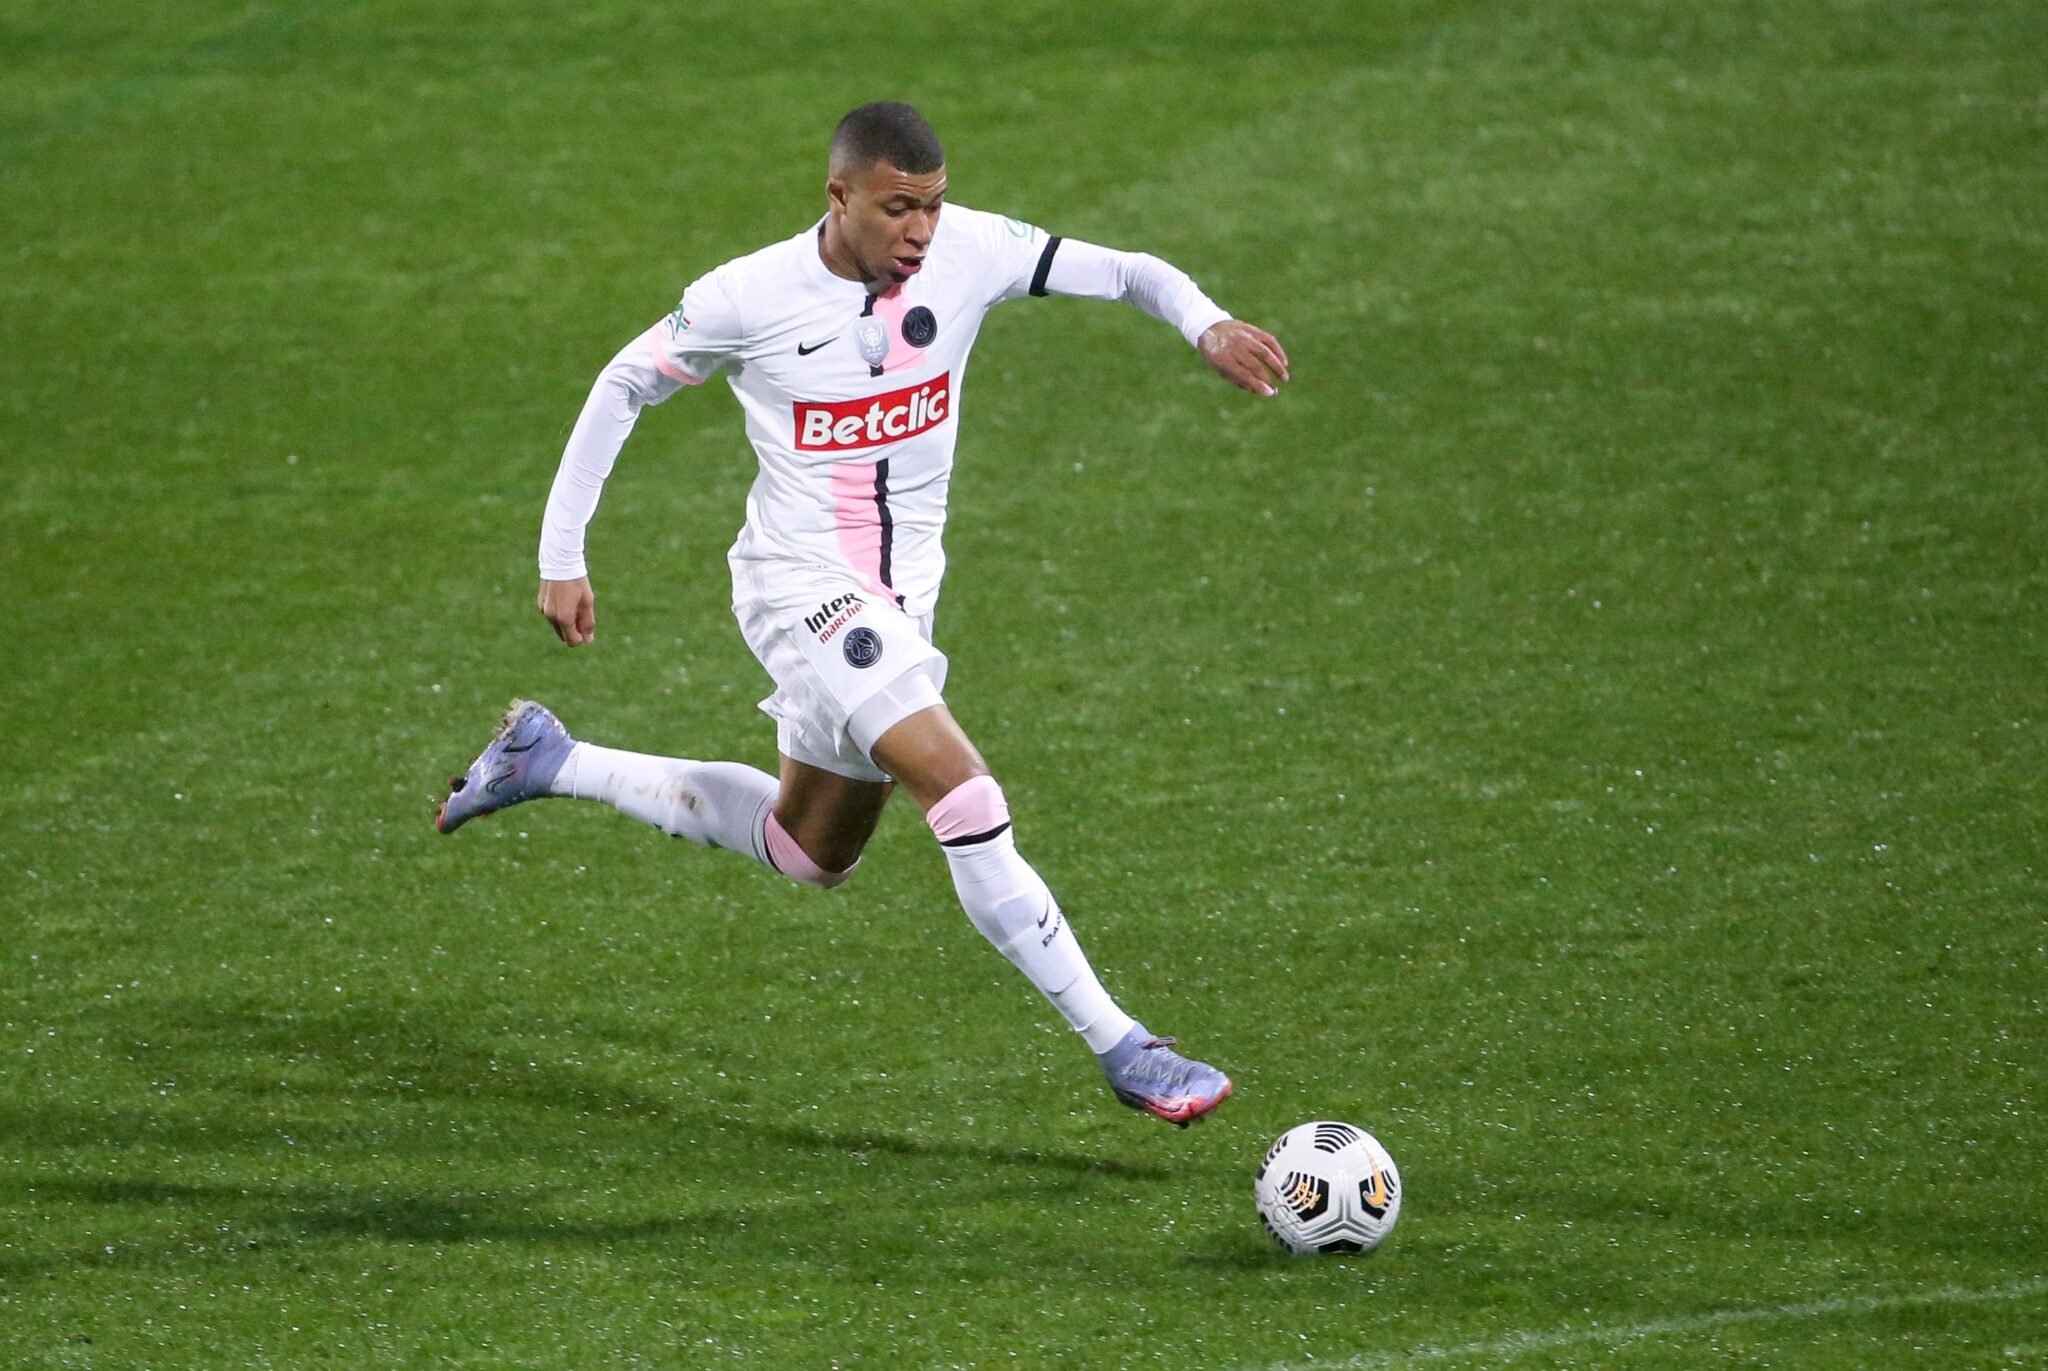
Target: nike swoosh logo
column 803, row 351
column 1043, row 917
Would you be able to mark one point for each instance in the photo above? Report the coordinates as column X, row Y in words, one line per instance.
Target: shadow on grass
column 315, row 1110
column 865, row 1142
column 191, row 1222
column 229, row 1221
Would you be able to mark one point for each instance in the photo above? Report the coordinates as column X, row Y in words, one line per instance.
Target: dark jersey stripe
column 888, row 522
column 1044, row 266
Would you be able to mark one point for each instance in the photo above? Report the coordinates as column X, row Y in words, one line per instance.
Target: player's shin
column 1012, row 907
column 717, row 804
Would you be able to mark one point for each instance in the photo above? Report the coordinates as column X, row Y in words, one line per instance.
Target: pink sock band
column 970, row 808
column 794, row 863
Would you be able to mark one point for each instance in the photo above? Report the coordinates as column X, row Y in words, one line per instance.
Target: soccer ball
column 1328, row 1187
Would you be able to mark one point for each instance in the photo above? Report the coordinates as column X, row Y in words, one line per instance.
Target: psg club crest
column 863, row 647
column 920, row 327
column 873, row 341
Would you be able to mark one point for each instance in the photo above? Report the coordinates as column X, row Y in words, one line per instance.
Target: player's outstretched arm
column 571, row 607
column 1246, row 356
column 640, row 375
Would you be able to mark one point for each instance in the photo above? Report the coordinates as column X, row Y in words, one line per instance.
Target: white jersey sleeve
column 702, row 333
column 1160, row 289
column 1014, row 254
column 684, row 349
column 1023, row 260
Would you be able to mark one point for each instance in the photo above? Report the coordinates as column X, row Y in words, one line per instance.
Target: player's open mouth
column 907, row 267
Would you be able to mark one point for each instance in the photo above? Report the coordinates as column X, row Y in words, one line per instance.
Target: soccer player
column 847, row 347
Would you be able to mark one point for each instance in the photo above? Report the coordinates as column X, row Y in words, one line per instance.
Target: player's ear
column 835, row 192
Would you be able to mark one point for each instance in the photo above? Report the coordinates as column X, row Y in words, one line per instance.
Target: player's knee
column 822, row 879
column 789, row 857
column 972, row 812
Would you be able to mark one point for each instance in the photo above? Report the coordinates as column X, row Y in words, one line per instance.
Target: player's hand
column 571, row 607
column 1247, row 357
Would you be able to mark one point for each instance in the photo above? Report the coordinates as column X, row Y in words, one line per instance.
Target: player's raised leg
column 1009, row 903
column 717, row 804
column 520, row 763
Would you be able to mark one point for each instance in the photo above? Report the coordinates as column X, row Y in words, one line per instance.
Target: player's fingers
column 1275, row 354
column 1248, row 376
column 1270, row 357
column 1266, row 348
column 1258, row 368
column 1231, row 353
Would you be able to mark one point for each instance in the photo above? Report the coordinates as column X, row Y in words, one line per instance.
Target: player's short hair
column 886, row 131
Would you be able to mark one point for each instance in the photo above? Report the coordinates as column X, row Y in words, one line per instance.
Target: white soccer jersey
column 852, row 400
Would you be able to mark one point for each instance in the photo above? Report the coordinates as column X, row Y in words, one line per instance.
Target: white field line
column 1513, row 1345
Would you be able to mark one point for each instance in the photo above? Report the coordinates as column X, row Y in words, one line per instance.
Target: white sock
column 717, row 804
column 1014, row 910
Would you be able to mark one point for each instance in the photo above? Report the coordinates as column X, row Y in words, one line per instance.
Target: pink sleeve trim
column 665, row 366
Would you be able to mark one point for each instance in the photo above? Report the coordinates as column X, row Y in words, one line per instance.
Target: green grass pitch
column 1590, row 729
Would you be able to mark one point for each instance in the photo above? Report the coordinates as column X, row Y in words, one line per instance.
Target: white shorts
column 831, row 648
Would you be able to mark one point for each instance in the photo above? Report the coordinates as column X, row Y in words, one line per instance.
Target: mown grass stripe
column 1495, row 1351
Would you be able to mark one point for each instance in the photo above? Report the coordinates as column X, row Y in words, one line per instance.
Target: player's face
column 886, row 219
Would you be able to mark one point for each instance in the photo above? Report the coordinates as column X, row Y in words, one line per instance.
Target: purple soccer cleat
column 1146, row 1073
column 520, row 764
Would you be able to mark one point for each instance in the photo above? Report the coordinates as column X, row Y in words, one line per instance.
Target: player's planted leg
column 1011, row 906
column 1146, row 1073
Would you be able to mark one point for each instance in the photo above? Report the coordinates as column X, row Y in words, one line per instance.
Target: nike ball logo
column 803, row 351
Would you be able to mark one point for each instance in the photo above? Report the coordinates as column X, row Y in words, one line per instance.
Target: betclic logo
column 845, row 425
